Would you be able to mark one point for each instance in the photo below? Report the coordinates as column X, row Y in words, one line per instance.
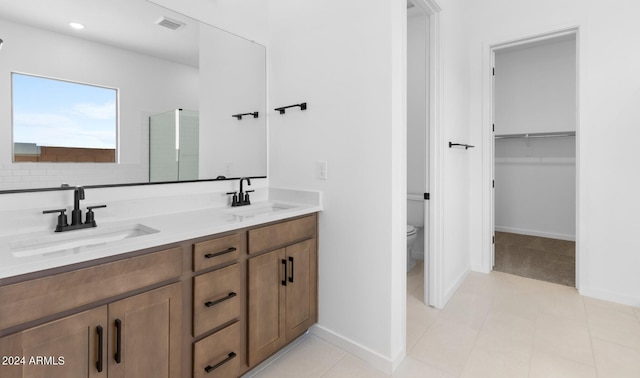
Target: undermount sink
column 261, row 208
column 74, row 241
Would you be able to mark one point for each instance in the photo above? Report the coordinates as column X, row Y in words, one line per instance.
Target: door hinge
column 493, row 183
column 494, row 128
column 427, row 196
column 493, row 240
column 493, row 71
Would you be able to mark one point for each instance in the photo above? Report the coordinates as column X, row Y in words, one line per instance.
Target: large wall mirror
column 179, row 100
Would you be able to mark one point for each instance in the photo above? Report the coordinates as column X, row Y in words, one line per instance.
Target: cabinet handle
column 291, row 276
column 212, row 255
column 213, row 303
column 284, row 272
column 99, row 362
column 118, row 355
column 210, row 368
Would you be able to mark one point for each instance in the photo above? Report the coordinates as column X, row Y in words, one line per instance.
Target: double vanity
column 211, row 292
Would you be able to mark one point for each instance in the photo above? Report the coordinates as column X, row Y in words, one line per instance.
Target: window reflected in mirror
column 63, row 121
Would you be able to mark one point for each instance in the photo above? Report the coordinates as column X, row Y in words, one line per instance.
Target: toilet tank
column 415, row 210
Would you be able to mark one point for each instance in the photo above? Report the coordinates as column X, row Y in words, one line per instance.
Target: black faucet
column 242, row 198
column 76, row 214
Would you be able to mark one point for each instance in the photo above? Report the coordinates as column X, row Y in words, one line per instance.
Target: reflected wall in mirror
column 156, row 70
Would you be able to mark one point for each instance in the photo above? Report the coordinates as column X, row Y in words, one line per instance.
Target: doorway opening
column 534, row 124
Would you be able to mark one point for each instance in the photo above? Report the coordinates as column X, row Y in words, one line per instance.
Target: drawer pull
column 213, row 303
column 284, row 272
column 99, row 362
column 212, row 255
column 210, row 368
column 291, row 276
column 118, row 355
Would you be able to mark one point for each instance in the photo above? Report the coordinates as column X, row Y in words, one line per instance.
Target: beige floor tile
column 413, row 368
column 562, row 302
column 637, row 311
column 352, row 367
column 615, row 361
column 546, row 365
column 613, row 322
column 468, row 309
column 415, row 277
column 511, row 328
column 419, row 318
column 487, row 363
column 564, row 338
column 516, row 304
column 271, row 372
column 311, row 358
column 595, row 304
column 446, row 346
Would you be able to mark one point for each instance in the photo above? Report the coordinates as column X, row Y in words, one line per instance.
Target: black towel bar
column 466, row 146
column 303, row 106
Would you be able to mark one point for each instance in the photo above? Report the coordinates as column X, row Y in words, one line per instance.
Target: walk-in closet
column 535, row 159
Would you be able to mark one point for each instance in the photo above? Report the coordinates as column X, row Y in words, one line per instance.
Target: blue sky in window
column 59, row 113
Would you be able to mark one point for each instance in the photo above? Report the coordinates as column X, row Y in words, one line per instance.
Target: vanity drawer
column 214, row 252
column 218, row 355
column 282, row 234
column 216, row 298
column 31, row 300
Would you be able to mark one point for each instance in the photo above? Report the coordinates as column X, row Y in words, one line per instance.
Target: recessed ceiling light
column 76, row 25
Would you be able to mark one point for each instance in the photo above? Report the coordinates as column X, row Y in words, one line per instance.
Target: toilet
column 412, row 234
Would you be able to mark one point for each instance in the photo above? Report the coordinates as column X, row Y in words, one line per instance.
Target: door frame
column 433, row 259
column 488, row 166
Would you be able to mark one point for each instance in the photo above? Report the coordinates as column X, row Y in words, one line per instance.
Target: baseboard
column 610, row 296
column 456, row 285
column 373, row 358
column 541, row 234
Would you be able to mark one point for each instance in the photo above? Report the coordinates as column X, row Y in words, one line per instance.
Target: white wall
column 535, row 190
column 346, row 60
column 608, row 58
column 535, row 87
column 245, row 18
column 232, row 81
column 143, row 90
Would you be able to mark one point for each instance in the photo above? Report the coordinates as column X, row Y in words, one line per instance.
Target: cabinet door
column 65, row 348
column 267, row 277
column 301, row 289
column 145, row 334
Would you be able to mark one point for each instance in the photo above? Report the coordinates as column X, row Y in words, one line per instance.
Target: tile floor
column 496, row 325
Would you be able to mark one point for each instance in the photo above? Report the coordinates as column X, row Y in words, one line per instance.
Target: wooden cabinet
column 72, row 347
column 219, row 306
column 282, row 294
column 146, row 330
column 209, row 307
column 134, row 337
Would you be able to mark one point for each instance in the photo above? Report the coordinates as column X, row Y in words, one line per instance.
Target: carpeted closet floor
column 544, row 259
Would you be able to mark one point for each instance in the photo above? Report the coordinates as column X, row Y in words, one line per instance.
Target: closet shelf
column 537, row 135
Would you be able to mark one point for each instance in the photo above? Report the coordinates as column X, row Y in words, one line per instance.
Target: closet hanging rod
column 537, row 135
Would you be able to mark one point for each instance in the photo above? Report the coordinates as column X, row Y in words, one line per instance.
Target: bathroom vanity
column 214, row 305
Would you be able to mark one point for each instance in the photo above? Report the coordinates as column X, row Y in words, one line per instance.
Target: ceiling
column 127, row 24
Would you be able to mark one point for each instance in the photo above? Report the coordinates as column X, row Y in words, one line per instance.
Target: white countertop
column 172, row 228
